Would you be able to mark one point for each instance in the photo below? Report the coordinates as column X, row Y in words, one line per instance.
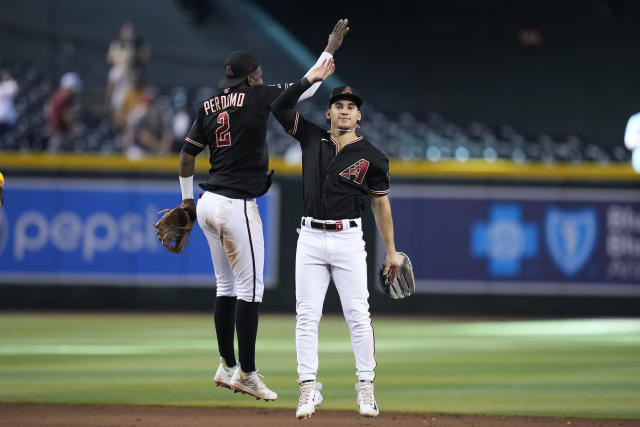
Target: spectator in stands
column 180, row 120
column 632, row 140
column 131, row 99
column 148, row 130
column 127, row 55
column 632, row 132
column 61, row 111
column 8, row 91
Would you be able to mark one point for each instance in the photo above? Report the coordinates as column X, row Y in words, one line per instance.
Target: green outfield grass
column 582, row 368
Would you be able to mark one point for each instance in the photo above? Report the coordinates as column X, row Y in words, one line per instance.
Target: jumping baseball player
column 341, row 171
column 233, row 125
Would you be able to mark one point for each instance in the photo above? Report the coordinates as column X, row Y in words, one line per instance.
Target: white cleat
column 223, row 375
column 251, row 383
column 310, row 397
column 366, row 401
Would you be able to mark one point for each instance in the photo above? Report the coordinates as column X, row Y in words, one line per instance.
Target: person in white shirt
column 632, row 134
column 8, row 91
column 632, row 140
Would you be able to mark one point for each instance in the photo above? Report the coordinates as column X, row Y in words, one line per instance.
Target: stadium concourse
column 406, row 135
column 554, row 121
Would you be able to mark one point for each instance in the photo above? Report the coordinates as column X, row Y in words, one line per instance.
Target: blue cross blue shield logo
column 505, row 239
column 571, row 237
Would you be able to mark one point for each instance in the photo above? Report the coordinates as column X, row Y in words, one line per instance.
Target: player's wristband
column 324, row 55
column 186, row 186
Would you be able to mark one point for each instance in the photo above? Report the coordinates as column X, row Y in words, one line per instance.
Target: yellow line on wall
column 502, row 169
column 473, row 168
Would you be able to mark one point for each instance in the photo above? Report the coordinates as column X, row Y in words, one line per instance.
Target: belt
column 328, row 225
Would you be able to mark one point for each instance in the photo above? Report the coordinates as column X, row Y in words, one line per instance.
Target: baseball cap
column 345, row 92
column 237, row 68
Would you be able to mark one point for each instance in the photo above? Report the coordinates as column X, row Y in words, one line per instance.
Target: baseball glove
column 398, row 283
column 174, row 228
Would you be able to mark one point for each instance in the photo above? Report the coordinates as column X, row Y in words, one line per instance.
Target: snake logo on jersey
column 357, row 171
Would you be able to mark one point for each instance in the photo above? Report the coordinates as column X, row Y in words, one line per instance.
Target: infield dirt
column 18, row 414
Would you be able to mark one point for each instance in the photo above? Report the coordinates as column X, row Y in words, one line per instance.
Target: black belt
column 328, row 225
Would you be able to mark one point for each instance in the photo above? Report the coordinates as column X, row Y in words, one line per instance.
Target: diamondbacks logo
column 347, row 90
column 571, row 237
column 228, row 71
column 356, row 171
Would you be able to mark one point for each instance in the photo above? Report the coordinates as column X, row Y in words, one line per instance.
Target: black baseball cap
column 237, row 68
column 345, row 92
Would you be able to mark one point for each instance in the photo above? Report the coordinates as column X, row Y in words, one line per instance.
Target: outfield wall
column 485, row 239
column 498, row 239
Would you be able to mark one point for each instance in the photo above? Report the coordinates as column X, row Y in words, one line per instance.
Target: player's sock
column 224, row 317
column 247, row 329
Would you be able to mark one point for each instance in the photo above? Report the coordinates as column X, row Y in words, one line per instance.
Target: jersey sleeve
column 300, row 128
column 292, row 121
column 274, row 91
column 195, row 140
column 379, row 180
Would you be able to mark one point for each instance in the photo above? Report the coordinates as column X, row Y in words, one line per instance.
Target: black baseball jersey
column 336, row 183
column 234, row 126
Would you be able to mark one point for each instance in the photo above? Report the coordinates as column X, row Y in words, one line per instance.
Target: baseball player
column 341, row 171
column 233, row 125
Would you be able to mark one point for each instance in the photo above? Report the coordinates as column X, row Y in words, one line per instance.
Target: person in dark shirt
column 233, row 125
column 340, row 171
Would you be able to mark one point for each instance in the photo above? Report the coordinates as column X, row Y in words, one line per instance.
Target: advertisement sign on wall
column 520, row 240
column 100, row 231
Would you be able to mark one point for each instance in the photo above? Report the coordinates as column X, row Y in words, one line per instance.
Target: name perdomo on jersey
column 357, row 170
column 222, row 102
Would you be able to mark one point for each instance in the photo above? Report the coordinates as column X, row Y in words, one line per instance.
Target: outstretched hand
column 321, row 71
column 337, row 35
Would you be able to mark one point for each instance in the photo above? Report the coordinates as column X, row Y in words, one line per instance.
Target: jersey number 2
column 223, row 136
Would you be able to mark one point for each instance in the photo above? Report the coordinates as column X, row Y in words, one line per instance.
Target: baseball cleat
column 310, row 397
column 366, row 401
column 223, row 375
column 251, row 383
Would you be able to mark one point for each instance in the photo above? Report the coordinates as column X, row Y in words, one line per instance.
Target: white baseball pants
column 233, row 229
column 320, row 256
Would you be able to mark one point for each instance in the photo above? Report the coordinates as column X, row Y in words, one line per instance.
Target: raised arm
column 283, row 107
column 337, row 35
column 333, row 44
